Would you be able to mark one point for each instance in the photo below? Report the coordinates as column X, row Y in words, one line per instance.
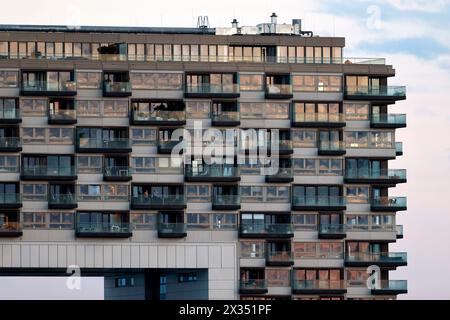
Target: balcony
column 212, row 173
column 158, row 118
column 319, row 203
column 284, row 175
column 388, row 121
column 388, row 204
column 116, row 89
column 331, row 148
column 152, row 202
column 399, row 231
column 319, row 287
column 62, row 201
column 226, row 119
column 117, row 173
column 284, row 147
column 62, row 117
column 10, row 200
column 10, row 230
column 262, row 231
column 332, row 231
column 279, row 91
column 172, row 230
column 118, row 145
column 226, row 202
column 10, row 115
column 391, row 287
column 378, row 177
column 230, row 91
column 45, row 173
column 103, row 230
column 44, row 88
column 382, row 259
column 318, row 120
column 279, row 259
column 254, row 286
column 10, row 145
column 381, row 93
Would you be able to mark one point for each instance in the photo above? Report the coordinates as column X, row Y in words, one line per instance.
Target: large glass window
column 317, row 83
column 198, row 193
column 304, row 138
column 356, row 111
column 198, row 221
column 251, row 82
column 9, row 79
column 89, row 80
column 357, row 194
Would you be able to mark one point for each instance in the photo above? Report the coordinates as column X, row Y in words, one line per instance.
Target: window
column 9, row 79
column 143, row 164
column 278, row 277
column 34, row 220
column 9, row 164
column 160, row 81
column 224, row 221
column 357, row 194
column 89, row 164
column 89, row 80
column 356, row 139
column 144, row 221
column 124, row 282
column 187, row 277
column 252, row 249
column 276, row 110
column 60, row 135
column 252, row 193
column 317, row 83
column 358, row 222
column 198, row 109
column 34, row 192
column 304, row 138
column 88, row 108
column 33, row 135
column 143, row 136
column 198, row 193
column 356, row 111
column 251, row 82
column 115, row 108
column 33, row 107
column 305, row 221
column 305, row 167
column 382, row 139
column 60, row 220
column 305, row 250
column 198, row 221
column 332, row 167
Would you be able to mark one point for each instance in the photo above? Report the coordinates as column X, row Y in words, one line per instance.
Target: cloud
column 418, row 5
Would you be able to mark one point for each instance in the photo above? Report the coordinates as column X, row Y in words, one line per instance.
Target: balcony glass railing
column 10, row 198
column 213, row 89
column 226, row 200
column 61, row 199
column 379, row 257
column 279, row 89
column 399, row 147
column 269, row 229
column 319, row 117
column 159, row 200
column 399, row 231
column 45, row 86
column 172, row 228
column 370, row 228
column 385, row 174
column 63, row 115
column 393, row 285
column 279, row 256
column 10, row 227
column 6, row 143
column 226, row 116
column 160, row 115
column 389, row 119
column 212, row 171
column 9, row 113
column 381, row 91
column 319, row 285
column 111, row 227
column 117, row 171
column 200, row 58
column 119, row 143
column 117, row 87
column 389, row 202
column 45, row 171
column 319, row 201
column 286, row 173
column 253, row 284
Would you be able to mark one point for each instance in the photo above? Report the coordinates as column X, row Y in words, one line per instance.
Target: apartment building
column 87, row 178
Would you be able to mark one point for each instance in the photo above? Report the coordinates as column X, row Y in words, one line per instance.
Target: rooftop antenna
column 203, row 22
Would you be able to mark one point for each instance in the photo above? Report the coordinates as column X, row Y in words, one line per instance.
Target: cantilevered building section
column 87, row 178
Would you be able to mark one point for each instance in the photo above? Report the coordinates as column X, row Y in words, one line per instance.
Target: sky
column 413, row 35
